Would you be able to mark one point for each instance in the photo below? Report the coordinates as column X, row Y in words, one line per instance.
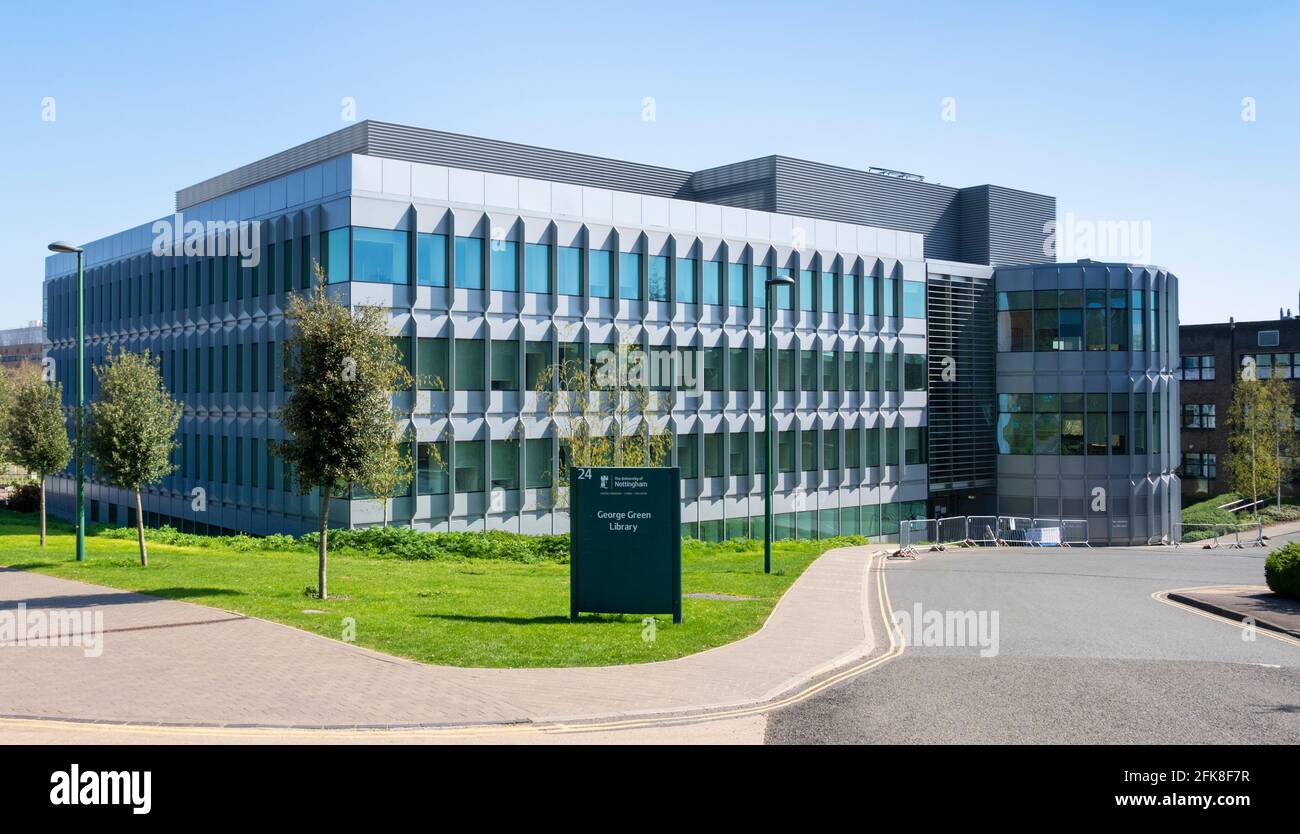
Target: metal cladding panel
column 750, row 184
column 351, row 139
column 813, row 189
column 959, row 325
column 1015, row 224
column 436, row 147
column 974, row 203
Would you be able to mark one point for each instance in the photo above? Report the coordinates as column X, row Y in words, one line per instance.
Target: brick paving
column 172, row 662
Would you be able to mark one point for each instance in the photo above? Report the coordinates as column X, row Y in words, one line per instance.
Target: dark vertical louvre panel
column 960, row 324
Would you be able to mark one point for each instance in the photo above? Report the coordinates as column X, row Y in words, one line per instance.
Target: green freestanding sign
column 625, row 541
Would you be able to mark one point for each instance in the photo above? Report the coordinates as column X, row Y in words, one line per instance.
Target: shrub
column 25, row 498
column 1286, row 512
column 1282, row 570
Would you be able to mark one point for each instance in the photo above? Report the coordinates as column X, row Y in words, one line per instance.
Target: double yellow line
column 896, row 649
column 1163, row 596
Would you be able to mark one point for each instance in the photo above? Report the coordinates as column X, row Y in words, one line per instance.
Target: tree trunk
column 385, row 522
column 139, row 531
column 323, row 545
column 42, row 512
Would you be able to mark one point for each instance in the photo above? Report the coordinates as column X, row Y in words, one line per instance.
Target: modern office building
column 902, row 366
column 22, row 346
column 1212, row 358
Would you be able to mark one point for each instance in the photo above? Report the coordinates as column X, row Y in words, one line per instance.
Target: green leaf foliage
column 37, row 427
column 131, row 431
column 341, row 369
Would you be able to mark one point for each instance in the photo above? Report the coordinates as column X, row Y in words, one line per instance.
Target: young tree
column 131, row 430
column 6, row 408
column 342, row 370
column 1262, row 440
column 608, row 412
column 38, row 431
column 393, row 472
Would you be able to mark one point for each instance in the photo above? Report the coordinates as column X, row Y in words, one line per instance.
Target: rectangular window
column 685, row 293
column 892, row 445
column 1047, row 424
column 431, row 260
column 657, row 277
column 739, row 369
column 736, row 285
column 1094, row 320
column 711, row 282
column 1097, row 433
column 914, row 446
column 785, row 451
column 852, row 371
column 505, row 464
column 713, row 455
column 469, row 263
column 1199, row 416
column 1268, row 338
column 758, row 286
column 568, row 270
column 830, row 300
column 1015, row 322
column 849, row 293
column 378, row 256
column 1072, row 411
column 1140, row 423
column 537, row 268
column 505, row 365
column 537, row 359
column 808, row 450
column 914, row 299
column 601, row 275
column 806, row 291
column 871, row 371
column 1015, row 432
column 469, row 466
column 431, row 364
column 830, row 371
column 831, row 450
column 1047, row 326
column 760, row 369
column 1119, row 329
column 784, row 292
column 738, row 454
column 469, row 367
column 686, row 457
column 786, row 365
column 914, row 372
column 505, row 265
column 1119, row 415
column 713, row 359
column 629, row 275
column 304, row 263
column 889, row 297
column 808, row 370
column 537, row 463
column 891, row 372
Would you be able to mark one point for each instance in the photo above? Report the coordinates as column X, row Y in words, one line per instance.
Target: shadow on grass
column 550, row 619
column 117, row 598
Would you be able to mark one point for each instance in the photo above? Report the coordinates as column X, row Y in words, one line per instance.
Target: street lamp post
column 68, row 248
column 769, row 432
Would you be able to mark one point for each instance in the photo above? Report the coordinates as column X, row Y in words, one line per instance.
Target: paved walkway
column 171, row 662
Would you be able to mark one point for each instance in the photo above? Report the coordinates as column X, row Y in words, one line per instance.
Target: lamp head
column 65, row 247
column 781, row 281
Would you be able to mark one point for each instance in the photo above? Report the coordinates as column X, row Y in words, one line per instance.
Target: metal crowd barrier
column 1216, row 535
column 991, row 531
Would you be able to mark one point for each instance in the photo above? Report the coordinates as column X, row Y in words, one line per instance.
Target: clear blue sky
column 1123, row 111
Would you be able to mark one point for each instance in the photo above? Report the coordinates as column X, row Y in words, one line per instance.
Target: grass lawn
column 464, row 613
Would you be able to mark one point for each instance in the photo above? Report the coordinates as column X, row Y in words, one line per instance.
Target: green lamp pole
column 769, row 430
column 68, row 248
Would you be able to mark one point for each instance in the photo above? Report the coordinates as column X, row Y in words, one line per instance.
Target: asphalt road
column 1083, row 655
